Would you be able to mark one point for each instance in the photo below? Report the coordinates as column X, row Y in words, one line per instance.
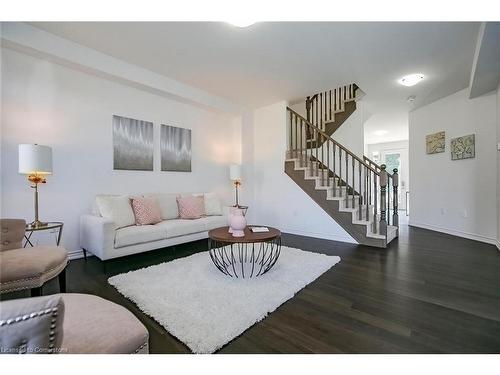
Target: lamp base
column 37, row 224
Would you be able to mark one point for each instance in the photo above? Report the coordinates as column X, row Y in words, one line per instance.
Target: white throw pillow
column 168, row 205
column 212, row 204
column 116, row 208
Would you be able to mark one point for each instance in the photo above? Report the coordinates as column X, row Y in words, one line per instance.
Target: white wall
column 72, row 112
column 278, row 201
column 455, row 196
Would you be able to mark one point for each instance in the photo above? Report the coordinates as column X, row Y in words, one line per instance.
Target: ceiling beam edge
column 31, row 40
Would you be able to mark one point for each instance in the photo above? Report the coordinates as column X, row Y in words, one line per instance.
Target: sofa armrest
column 97, row 235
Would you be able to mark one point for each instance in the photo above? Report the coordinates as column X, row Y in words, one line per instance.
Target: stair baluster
column 321, row 111
column 322, row 160
column 375, row 204
column 360, row 195
column 395, row 184
column 328, row 164
column 353, row 183
column 296, row 137
column 383, row 200
column 368, row 192
column 334, row 171
column 330, row 101
column 290, row 150
column 347, row 179
column 340, row 172
column 301, row 155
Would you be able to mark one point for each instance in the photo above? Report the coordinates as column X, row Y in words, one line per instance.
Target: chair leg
column 62, row 281
column 84, row 254
column 36, row 292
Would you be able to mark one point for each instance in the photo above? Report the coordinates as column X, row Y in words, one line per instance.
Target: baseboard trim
column 332, row 237
column 498, row 245
column 454, row 232
column 77, row 254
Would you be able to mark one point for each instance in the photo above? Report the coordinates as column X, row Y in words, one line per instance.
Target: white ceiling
column 272, row 61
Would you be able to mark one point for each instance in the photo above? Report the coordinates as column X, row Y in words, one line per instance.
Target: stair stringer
column 340, row 117
column 332, row 207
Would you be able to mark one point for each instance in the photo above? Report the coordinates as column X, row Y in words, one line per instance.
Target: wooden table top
column 221, row 234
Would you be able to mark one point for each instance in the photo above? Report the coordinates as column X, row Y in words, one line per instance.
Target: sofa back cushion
column 116, row 208
column 212, row 204
column 168, row 205
column 191, row 207
column 146, row 210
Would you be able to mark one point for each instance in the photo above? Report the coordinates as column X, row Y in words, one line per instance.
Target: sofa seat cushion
column 212, row 222
column 95, row 325
column 181, row 227
column 138, row 234
column 30, row 267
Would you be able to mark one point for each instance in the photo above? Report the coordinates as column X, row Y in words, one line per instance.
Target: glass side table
column 50, row 225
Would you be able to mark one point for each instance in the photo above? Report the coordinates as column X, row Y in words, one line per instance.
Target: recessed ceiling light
column 411, row 80
column 241, row 23
column 380, row 132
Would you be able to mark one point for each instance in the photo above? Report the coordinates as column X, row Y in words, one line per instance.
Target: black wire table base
column 244, row 259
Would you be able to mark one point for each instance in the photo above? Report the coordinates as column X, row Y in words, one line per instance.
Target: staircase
column 357, row 193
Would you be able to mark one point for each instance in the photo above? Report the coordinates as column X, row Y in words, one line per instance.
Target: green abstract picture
column 463, row 147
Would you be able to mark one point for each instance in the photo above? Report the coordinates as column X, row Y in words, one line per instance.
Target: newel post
column 395, row 183
column 383, row 199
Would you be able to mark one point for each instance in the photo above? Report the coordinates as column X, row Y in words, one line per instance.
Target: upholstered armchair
column 70, row 324
column 30, row 267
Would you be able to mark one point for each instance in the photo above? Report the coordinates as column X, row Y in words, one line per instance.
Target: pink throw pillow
column 191, row 207
column 146, row 210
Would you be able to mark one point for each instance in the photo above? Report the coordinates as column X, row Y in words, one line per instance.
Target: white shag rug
column 206, row 309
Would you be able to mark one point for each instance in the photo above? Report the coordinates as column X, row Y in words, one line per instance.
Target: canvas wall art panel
column 435, row 143
column 175, row 148
column 463, row 147
column 132, row 144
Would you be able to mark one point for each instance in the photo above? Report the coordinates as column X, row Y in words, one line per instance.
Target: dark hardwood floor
column 427, row 293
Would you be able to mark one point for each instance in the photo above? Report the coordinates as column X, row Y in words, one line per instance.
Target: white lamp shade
column 35, row 159
column 235, row 172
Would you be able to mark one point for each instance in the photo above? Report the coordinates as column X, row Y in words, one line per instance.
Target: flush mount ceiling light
column 411, row 80
column 380, row 132
column 241, row 23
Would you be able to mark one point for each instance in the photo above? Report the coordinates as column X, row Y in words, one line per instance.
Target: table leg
column 59, row 235
column 62, row 281
column 28, row 239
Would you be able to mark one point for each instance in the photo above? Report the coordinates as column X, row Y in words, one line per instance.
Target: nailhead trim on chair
column 52, row 333
column 34, row 278
column 140, row 347
column 17, row 319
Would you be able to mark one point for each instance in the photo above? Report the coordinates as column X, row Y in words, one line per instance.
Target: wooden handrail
column 346, row 150
column 370, row 161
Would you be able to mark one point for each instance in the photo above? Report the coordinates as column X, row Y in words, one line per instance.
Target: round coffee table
column 252, row 255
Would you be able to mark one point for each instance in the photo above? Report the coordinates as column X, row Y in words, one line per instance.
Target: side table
column 50, row 225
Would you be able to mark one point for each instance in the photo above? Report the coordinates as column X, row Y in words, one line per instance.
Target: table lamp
column 36, row 162
column 235, row 176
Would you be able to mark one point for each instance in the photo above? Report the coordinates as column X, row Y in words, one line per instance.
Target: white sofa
column 101, row 236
